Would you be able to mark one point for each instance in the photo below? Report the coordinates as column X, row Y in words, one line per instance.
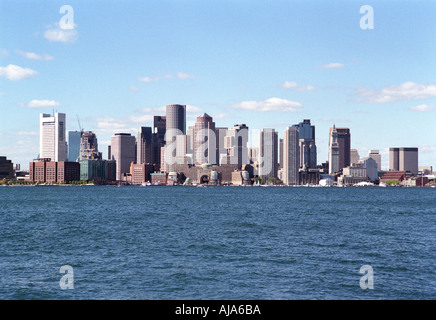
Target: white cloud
column 179, row 75
column 134, row 89
column 405, row 91
column 14, row 73
column 141, row 119
column 34, row 56
column 41, row 104
column 4, row 53
column 270, row 105
column 294, row 85
column 27, row 133
column 56, row 34
column 423, row 107
column 333, row 65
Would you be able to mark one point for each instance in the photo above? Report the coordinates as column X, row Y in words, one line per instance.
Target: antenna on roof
column 79, row 122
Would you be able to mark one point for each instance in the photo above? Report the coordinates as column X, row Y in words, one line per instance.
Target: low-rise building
column 6, row 168
column 46, row 171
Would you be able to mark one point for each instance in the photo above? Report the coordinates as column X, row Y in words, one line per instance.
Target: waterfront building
column 6, row 168
column 268, row 154
column 141, row 172
column 47, row 171
column 74, row 140
column 160, row 178
column 97, row 168
column 52, row 139
column 291, row 156
column 333, row 151
column 204, row 140
column 123, row 152
column 393, row 176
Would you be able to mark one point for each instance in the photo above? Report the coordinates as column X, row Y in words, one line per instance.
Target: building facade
column 333, row 151
column 74, row 139
column 291, row 156
column 123, row 147
column 268, row 154
column 204, row 140
column 6, row 168
column 52, row 138
column 403, row 159
column 306, row 132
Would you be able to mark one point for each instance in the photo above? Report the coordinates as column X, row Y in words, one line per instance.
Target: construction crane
column 81, row 130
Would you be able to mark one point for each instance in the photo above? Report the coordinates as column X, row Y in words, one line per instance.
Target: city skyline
column 268, row 66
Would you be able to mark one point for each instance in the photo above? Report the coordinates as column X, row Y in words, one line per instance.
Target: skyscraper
column 89, row 146
column 268, row 154
column 403, row 159
column 236, row 141
column 74, row 139
column 291, row 156
column 204, row 140
column 144, row 152
column 354, row 156
column 123, row 152
column 158, row 137
column 375, row 154
column 175, row 119
column 52, row 136
column 333, row 151
column 306, row 134
column 221, row 151
column 344, row 143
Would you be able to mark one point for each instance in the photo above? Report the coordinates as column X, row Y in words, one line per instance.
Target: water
column 217, row 242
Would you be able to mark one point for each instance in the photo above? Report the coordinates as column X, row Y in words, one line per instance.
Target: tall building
column 221, row 151
column 268, row 154
column 74, row 139
column 333, row 151
column 281, row 153
column 344, row 142
column 403, row 159
column 123, row 152
column 175, row 119
column 344, row 145
column 6, row 168
column 291, row 156
column 375, row 154
column 52, row 137
column 158, row 137
column 144, row 145
column 190, row 133
column 306, row 133
column 204, row 140
column 236, row 141
column 89, row 146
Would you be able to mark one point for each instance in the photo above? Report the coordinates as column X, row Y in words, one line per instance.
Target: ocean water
column 217, row 242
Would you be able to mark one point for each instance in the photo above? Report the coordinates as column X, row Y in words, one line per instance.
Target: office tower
column 221, row 151
column 175, row 119
column 291, row 156
column 344, row 143
column 144, row 146
column 354, row 156
column 408, row 160
column 268, row 154
column 236, row 140
column 6, row 168
column 306, row 133
column 158, row 138
column 123, row 152
column 52, row 136
column 375, row 154
column 281, row 153
column 394, row 158
column 74, row 139
column 89, row 146
column 334, row 151
column 204, row 140
column 181, row 143
column 253, row 155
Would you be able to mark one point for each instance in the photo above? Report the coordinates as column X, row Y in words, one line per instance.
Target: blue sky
column 269, row 64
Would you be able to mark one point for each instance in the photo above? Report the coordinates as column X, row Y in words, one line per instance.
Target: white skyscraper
column 52, row 140
column 333, row 151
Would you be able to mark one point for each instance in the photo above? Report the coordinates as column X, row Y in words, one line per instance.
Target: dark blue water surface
column 217, row 242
